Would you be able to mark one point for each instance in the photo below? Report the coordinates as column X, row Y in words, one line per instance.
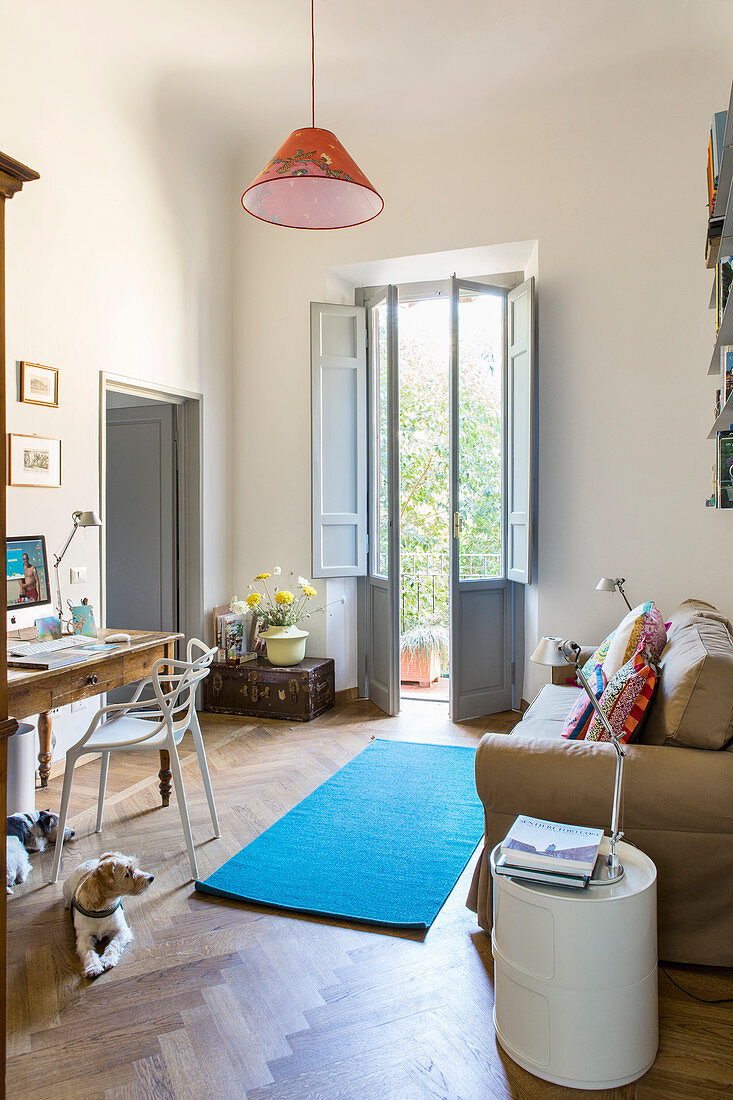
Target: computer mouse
column 112, row 638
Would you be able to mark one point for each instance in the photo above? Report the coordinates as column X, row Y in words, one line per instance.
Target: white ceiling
column 241, row 70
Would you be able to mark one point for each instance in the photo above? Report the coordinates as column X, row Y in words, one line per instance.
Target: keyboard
column 53, row 645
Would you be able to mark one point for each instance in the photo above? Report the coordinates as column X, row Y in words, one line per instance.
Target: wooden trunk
column 261, row 690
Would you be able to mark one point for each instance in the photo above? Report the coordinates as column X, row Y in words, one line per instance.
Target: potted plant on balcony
column 423, row 653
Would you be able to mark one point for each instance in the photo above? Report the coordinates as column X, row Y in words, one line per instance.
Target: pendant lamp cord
column 313, row 67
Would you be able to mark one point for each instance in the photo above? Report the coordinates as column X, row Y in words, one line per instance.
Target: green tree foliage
column 424, row 359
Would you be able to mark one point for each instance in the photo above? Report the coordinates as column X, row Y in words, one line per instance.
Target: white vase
column 285, row 645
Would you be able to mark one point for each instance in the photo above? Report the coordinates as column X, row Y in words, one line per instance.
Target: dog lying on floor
column 93, row 892
column 25, row 833
column 35, row 830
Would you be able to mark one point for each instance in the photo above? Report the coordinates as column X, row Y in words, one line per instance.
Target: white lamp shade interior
column 548, row 653
column 89, row 519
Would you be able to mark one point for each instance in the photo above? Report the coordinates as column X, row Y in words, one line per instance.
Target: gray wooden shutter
column 520, row 413
column 339, row 435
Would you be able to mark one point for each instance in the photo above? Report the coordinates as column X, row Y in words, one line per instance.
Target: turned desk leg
column 46, row 743
column 165, row 775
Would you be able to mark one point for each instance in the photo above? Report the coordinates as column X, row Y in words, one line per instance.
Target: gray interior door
column 480, row 603
column 383, row 561
column 140, row 521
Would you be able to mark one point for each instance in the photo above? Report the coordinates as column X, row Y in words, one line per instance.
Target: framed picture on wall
column 34, row 460
column 39, row 385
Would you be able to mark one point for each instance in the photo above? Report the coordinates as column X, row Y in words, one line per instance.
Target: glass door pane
column 379, row 541
column 480, row 434
column 382, row 587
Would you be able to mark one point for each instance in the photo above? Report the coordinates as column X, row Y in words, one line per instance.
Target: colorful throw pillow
column 597, row 658
column 625, row 699
column 577, row 722
column 642, row 628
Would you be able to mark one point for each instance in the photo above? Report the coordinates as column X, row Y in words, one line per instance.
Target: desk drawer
column 88, row 680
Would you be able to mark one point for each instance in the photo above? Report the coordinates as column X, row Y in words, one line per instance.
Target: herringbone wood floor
column 218, row 1000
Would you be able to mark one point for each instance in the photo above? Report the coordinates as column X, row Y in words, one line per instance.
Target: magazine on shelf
column 534, row 843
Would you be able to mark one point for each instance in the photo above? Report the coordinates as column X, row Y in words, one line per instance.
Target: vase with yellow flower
column 281, row 609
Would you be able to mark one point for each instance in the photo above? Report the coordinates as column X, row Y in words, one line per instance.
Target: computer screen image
column 27, row 574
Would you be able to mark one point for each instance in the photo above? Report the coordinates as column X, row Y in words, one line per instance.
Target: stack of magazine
column 549, row 853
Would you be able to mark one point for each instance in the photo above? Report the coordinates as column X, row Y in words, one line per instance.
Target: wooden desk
column 41, row 692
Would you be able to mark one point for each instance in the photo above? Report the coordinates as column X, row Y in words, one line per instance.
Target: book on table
column 552, row 847
column 544, row 878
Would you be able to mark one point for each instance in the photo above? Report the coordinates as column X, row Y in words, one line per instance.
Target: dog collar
column 95, row 913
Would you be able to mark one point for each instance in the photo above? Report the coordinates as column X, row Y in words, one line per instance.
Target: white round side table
column 575, row 975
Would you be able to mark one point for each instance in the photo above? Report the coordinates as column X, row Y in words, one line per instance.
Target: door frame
column 189, row 429
column 368, row 298
column 502, row 284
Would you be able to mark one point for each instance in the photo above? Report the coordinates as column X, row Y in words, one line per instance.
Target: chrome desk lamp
column 610, row 584
column 556, row 652
column 79, row 519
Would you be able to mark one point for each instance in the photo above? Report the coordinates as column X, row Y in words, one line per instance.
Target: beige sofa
column 678, row 785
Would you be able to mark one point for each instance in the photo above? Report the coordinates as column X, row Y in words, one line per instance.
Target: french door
column 383, row 557
column 481, row 651
column 356, row 481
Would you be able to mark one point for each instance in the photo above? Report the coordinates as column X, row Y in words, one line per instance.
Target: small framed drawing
column 34, row 460
column 39, row 385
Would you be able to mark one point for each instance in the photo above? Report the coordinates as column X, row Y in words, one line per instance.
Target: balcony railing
column 424, row 582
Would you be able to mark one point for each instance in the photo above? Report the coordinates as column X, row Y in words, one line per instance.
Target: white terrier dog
column 29, row 832
column 17, row 865
column 93, row 892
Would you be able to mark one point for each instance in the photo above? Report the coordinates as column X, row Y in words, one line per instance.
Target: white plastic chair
column 148, row 724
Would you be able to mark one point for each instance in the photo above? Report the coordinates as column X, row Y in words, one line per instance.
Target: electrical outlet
column 78, row 574
column 80, row 704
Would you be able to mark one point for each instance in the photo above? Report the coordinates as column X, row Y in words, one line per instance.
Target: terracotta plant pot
column 422, row 670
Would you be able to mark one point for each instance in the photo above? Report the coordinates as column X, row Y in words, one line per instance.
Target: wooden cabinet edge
column 8, row 727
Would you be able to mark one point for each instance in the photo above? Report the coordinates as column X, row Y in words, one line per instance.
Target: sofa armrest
column 564, row 675
column 666, row 788
column 678, row 809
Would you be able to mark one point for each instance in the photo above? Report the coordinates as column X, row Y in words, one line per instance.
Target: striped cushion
column 625, row 699
column 578, row 720
column 643, row 627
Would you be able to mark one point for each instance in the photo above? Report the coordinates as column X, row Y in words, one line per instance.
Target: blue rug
column 383, row 841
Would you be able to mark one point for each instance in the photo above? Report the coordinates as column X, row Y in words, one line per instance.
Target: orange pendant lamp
column 312, row 182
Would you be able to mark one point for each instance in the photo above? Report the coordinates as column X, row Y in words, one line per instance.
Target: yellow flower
column 284, row 596
column 309, row 591
column 262, row 577
column 253, row 599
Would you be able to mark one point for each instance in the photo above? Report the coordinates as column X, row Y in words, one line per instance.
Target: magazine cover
column 48, row 628
column 534, row 842
column 233, row 634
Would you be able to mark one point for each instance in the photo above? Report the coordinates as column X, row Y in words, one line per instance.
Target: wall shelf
column 724, row 423
column 717, row 250
column 725, row 336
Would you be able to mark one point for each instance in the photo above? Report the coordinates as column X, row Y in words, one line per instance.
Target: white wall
column 118, row 260
column 600, row 156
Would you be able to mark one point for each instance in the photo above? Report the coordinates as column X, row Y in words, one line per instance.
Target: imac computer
column 29, row 591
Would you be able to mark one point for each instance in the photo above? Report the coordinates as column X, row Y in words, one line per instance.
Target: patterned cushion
column 625, row 699
column 643, row 627
column 596, row 659
column 577, row 721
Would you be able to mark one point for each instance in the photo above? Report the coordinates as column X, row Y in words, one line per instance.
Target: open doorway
column 424, row 505
column 449, row 381
column 424, row 327
column 151, row 502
